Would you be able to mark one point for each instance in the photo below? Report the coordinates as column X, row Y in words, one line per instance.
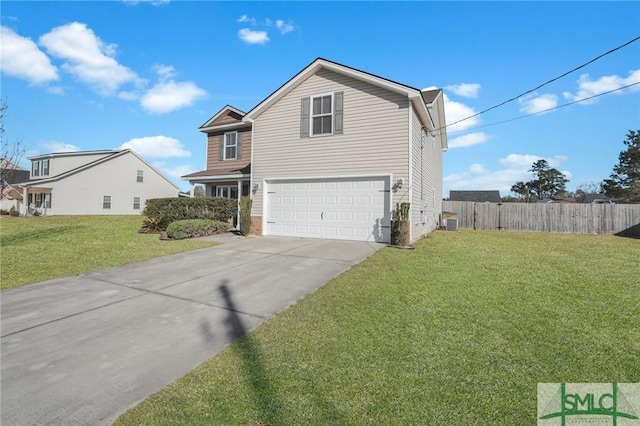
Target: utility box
column 451, row 224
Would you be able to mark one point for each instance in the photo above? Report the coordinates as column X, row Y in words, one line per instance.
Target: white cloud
column 538, row 103
column 284, row 27
column 247, row 19
column 514, row 168
column 55, row 146
column 88, row 57
column 165, row 72
column 175, row 172
column 152, row 2
column 21, row 58
column 588, row 87
column 156, row 147
column 467, row 90
column 455, row 111
column 253, row 37
column 526, row 160
column 169, row 96
column 469, row 139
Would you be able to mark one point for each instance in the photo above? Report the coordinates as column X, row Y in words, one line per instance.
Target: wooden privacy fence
column 618, row 219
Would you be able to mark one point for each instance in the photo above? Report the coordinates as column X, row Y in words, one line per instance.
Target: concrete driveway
column 81, row 350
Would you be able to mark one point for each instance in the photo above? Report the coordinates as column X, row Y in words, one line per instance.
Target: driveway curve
column 81, row 350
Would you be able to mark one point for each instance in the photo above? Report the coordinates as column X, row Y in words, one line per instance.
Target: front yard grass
column 39, row 248
column 459, row 332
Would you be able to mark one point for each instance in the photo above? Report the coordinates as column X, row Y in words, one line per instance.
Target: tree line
column 623, row 185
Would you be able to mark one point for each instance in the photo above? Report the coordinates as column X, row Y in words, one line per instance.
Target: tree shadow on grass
column 270, row 409
column 264, row 394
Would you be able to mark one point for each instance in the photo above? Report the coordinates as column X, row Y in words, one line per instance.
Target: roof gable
column 227, row 115
column 413, row 94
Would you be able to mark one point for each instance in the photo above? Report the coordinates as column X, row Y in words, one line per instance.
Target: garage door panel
column 353, row 209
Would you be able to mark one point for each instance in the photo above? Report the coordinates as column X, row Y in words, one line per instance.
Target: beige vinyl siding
column 213, row 141
column 375, row 139
column 426, row 182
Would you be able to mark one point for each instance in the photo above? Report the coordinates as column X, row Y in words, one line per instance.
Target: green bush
column 169, row 210
column 13, row 212
column 245, row 215
column 192, row 228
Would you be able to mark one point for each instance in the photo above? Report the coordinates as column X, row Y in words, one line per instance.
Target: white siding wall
column 427, row 181
column 375, row 139
column 82, row 193
column 59, row 165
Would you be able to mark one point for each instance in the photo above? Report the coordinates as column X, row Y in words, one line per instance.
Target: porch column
column 25, row 201
column 239, row 197
column 192, row 187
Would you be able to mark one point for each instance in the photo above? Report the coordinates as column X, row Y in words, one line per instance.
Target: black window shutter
column 221, row 148
column 304, row 117
column 338, row 113
column 238, row 145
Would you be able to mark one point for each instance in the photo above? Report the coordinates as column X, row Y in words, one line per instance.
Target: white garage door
column 346, row 209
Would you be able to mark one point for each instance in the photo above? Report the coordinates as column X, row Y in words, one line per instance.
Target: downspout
column 410, row 170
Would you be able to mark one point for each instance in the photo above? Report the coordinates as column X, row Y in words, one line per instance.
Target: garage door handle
column 322, row 215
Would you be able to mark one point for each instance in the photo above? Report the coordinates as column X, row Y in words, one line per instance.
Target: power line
column 544, row 84
column 548, row 109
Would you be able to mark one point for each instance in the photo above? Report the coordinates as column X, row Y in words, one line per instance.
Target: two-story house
column 332, row 151
column 105, row 182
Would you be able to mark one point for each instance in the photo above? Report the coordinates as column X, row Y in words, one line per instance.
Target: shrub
column 151, row 225
column 170, row 210
column 245, row 215
column 13, row 212
column 192, row 228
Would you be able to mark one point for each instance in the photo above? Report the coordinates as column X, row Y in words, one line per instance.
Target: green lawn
column 457, row 332
column 39, row 248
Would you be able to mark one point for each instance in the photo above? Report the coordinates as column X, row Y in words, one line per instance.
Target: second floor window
column 231, row 146
column 35, row 168
column 140, row 176
column 45, row 167
column 321, row 115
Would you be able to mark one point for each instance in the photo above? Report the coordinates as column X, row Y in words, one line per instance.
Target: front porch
column 216, row 184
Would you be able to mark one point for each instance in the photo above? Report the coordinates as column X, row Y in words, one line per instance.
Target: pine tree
column 624, row 183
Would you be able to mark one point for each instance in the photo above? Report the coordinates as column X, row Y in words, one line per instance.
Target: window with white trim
column 136, row 203
column 106, row 202
column 45, row 167
column 230, row 146
column 322, row 115
column 140, row 176
column 35, row 168
column 227, row 191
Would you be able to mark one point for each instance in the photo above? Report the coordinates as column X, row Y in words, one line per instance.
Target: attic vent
column 451, row 224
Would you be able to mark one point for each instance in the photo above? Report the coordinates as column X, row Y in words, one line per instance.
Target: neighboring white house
column 110, row 182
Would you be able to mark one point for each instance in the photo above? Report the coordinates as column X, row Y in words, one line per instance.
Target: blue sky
column 105, row 75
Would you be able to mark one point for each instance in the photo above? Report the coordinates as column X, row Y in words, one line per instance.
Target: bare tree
column 198, row 191
column 11, row 152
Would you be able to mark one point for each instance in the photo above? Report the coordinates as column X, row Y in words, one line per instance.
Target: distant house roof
column 477, row 196
column 17, row 174
column 595, row 199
